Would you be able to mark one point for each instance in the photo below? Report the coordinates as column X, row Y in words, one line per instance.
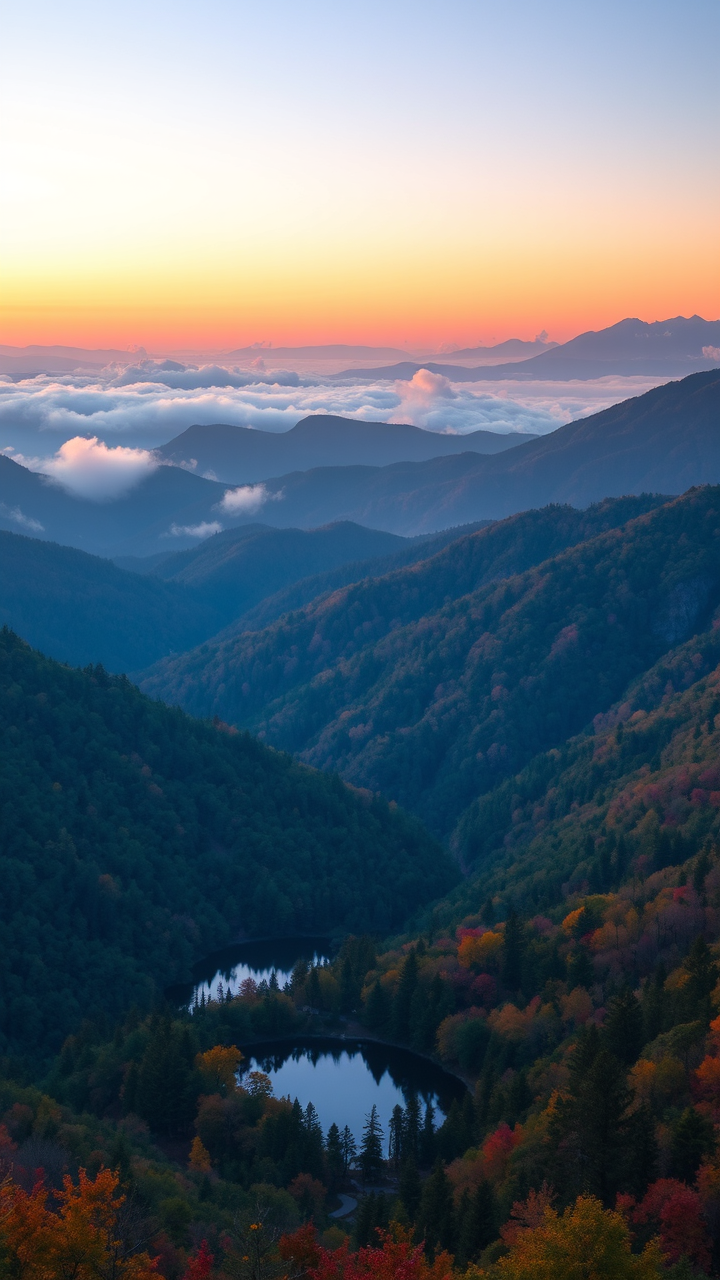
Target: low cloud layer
column 95, row 435
column 246, row 499
column 91, row 469
column 205, row 529
column 15, row 515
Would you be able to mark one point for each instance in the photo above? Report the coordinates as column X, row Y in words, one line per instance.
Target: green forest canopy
column 135, row 839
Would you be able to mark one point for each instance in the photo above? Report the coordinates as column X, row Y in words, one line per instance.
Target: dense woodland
column 432, row 687
column 569, row 972
column 134, row 840
column 574, row 982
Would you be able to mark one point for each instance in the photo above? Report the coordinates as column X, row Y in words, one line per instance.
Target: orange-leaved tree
column 218, row 1067
column 586, row 1242
column 79, row 1236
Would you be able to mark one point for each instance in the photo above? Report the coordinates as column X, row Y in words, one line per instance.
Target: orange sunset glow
column 401, row 190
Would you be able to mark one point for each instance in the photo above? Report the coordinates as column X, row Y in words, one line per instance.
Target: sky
column 182, row 176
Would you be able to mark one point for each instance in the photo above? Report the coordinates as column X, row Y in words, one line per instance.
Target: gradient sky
column 211, row 175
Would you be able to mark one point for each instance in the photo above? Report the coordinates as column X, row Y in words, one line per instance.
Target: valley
column 359, row 880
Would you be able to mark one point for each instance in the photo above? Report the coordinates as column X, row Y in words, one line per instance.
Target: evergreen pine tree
column 703, row 972
column 411, row 1138
column 348, row 991
column 313, row 989
column 513, row 952
column 641, row 1152
column 436, row 1217
column 654, row 1005
column 334, row 1157
column 693, row 1137
column 395, row 1137
column 623, row 1028
column 371, row 1153
column 403, row 998
column 377, row 1009
column 478, row 1226
column 165, row 1096
column 348, row 1147
column 427, row 1137
column 410, row 1188
column 580, row 968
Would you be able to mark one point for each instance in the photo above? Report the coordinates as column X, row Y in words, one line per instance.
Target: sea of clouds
column 95, row 434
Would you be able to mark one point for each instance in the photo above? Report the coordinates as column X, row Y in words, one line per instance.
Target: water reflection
column 258, row 960
column 344, row 1079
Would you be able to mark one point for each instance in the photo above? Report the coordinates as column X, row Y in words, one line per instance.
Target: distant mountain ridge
column 80, row 608
column 664, row 441
column 665, row 348
column 242, row 455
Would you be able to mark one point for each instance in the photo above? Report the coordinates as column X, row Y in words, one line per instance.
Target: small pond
column 256, row 959
column 344, row 1079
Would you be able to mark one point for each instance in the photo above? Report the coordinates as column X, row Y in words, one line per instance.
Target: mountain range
column 665, row 348
column 434, row 682
column 664, row 441
column 80, row 608
column 241, row 455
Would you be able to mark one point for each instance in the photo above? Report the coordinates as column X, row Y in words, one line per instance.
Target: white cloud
column 149, row 414
column 204, row 530
column 16, row 515
column 91, row 469
column 711, row 353
column 246, row 499
column 180, row 377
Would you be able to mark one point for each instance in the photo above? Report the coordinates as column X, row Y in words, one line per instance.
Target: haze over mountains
column 241, row 455
column 80, row 608
column 664, row 441
column 665, row 348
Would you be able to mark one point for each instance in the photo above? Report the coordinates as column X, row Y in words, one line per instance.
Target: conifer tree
column 411, row 1139
column 395, row 1136
column 693, row 1137
column 371, row 1152
column 477, row 1223
column 348, row 1147
column 513, row 952
column 427, row 1137
column 436, row 1217
column 403, row 997
column 623, row 1027
column 334, row 1156
column 410, row 1188
column 377, row 1009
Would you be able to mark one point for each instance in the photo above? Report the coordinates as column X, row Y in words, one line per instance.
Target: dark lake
column 341, row 1078
column 344, row 1079
column 257, row 959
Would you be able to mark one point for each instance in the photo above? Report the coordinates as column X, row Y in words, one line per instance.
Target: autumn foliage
column 74, row 1232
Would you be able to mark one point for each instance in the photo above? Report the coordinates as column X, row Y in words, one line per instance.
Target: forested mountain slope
column 80, row 608
column 305, row 590
column 420, row 683
column 135, row 839
column 234, row 570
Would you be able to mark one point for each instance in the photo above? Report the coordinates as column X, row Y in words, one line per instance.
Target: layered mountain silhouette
column 80, row 608
column 664, row 441
column 240, row 455
column 666, row 348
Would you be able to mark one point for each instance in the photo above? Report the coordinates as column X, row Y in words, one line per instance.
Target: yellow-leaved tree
column 586, row 1242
